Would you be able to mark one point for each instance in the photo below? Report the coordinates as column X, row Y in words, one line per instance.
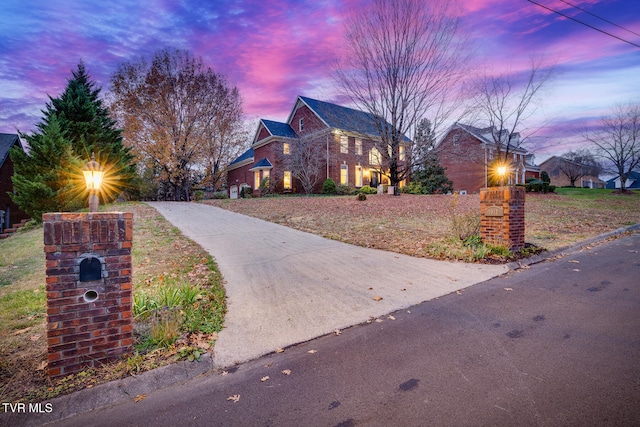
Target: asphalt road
column 557, row 344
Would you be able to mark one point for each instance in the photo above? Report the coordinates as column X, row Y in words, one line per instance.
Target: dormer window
column 301, row 124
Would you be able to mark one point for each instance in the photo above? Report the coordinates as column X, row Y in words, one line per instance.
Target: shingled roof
column 279, row 129
column 345, row 118
column 7, row 140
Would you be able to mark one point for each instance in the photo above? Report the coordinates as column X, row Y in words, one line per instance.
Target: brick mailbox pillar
column 502, row 216
column 88, row 262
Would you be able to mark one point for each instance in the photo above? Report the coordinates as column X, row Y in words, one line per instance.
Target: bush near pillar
column 502, row 216
column 89, row 314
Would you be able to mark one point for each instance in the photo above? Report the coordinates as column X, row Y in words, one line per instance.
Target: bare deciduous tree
column 617, row 138
column 403, row 61
column 505, row 103
column 176, row 114
column 306, row 159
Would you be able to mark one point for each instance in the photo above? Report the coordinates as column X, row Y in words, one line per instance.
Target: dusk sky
column 274, row 50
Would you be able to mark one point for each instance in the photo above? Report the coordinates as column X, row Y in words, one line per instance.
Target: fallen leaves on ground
column 286, row 372
column 234, row 398
column 409, row 223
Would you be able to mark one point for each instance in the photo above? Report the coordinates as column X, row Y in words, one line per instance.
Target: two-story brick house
column 345, row 143
column 467, row 153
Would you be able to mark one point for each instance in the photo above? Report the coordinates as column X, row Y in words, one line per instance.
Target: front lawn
column 421, row 226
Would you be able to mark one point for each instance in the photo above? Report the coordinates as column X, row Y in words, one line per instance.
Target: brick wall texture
column 508, row 229
column 79, row 333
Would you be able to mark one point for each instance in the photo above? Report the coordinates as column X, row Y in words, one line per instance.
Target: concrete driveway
column 286, row 286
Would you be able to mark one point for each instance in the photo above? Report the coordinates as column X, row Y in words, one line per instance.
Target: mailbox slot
column 90, row 269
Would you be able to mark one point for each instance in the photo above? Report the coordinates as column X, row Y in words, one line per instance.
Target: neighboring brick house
column 344, row 140
column 559, row 167
column 11, row 213
column 467, row 152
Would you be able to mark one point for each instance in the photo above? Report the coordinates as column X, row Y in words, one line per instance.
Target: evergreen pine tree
column 431, row 177
column 87, row 124
column 44, row 180
column 48, row 177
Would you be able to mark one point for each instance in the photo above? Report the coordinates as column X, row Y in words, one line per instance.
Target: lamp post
column 502, row 171
column 93, row 174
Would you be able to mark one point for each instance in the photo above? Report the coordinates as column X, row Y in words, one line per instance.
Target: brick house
column 344, row 141
column 467, row 152
column 11, row 213
column 586, row 177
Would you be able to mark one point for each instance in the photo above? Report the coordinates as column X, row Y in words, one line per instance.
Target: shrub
column 198, row 195
column 246, row 192
column 342, row 189
column 220, row 195
column 328, row 186
column 368, row 190
column 362, row 197
column 544, row 177
column 414, row 187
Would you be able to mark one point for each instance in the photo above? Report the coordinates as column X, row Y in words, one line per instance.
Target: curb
column 536, row 259
column 113, row 392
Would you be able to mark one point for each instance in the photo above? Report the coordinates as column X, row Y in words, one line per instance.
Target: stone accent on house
column 502, row 216
column 88, row 284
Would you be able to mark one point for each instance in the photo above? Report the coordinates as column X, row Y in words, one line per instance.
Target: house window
column 286, row 148
column 401, row 153
column 344, row 144
column 256, row 180
column 374, row 156
column 358, row 176
column 456, row 139
column 344, row 174
column 358, row 146
column 286, row 183
column 301, row 124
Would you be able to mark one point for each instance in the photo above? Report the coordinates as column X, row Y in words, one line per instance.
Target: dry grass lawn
column 421, row 226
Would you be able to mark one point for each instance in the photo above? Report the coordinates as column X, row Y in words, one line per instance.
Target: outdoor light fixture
column 502, row 172
column 93, row 174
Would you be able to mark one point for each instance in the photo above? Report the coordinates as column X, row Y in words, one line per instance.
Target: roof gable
column 7, row 140
column 339, row 117
column 279, row 129
column 485, row 136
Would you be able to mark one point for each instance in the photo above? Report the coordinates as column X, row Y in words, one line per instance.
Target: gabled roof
column 7, row 140
column 634, row 178
column 262, row 164
column 485, row 135
column 279, row 129
column 339, row 117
